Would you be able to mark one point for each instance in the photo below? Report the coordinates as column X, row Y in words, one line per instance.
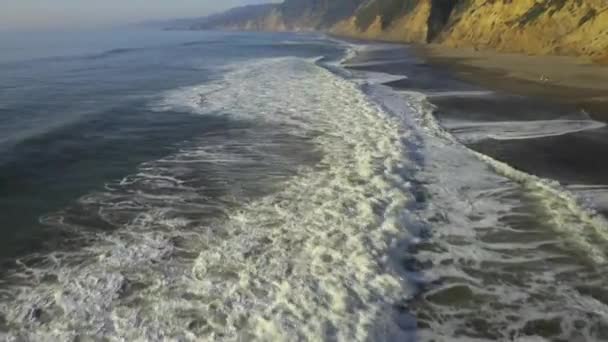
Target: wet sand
column 558, row 79
column 534, row 88
column 457, row 80
column 512, row 268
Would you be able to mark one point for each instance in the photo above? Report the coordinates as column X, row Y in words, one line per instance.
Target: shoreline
column 574, row 85
column 546, row 113
column 539, row 213
column 556, row 79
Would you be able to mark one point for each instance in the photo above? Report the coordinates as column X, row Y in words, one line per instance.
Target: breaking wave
column 512, row 256
column 509, row 256
column 332, row 209
column 311, row 259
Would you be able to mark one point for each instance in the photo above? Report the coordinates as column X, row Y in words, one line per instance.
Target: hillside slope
column 292, row 15
column 572, row 27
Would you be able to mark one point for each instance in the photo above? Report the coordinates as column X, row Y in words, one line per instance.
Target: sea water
column 159, row 185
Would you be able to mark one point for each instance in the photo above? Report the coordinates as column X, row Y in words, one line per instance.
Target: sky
column 48, row 14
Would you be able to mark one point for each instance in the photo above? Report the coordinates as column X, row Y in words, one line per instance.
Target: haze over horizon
column 63, row 14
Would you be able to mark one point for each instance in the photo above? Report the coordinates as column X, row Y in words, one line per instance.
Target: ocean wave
column 342, row 211
column 315, row 258
column 549, row 191
column 506, row 250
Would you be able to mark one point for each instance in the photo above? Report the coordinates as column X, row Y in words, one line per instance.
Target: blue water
column 74, row 114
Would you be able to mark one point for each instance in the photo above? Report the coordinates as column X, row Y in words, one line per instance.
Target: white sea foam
column 350, row 54
column 470, row 209
column 504, row 238
column 381, row 78
column 318, row 258
column 473, row 131
column 354, row 50
column 374, row 63
column 461, row 93
column 582, row 224
column 310, row 261
column 593, row 195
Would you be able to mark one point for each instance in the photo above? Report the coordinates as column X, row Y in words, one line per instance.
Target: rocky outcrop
column 578, row 27
column 572, row 27
column 409, row 25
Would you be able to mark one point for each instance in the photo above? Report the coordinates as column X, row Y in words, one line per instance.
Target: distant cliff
column 573, row 27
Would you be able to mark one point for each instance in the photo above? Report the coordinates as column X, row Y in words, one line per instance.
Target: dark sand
column 558, row 79
column 525, row 89
column 512, row 277
column 534, row 88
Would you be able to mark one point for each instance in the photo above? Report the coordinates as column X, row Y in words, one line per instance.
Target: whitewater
column 374, row 223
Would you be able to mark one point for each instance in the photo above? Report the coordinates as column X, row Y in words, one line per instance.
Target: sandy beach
column 560, row 79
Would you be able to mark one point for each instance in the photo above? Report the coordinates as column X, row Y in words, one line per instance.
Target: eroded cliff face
column 294, row 15
column 272, row 21
column 577, row 27
column 573, row 27
column 410, row 25
column 570, row 27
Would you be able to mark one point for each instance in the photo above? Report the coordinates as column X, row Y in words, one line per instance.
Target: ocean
column 193, row 186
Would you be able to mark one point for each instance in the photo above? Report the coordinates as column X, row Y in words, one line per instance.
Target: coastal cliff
column 558, row 27
column 568, row 27
column 291, row 15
